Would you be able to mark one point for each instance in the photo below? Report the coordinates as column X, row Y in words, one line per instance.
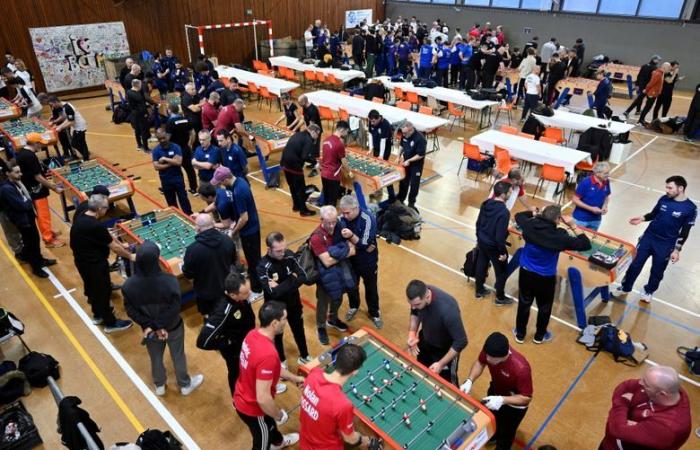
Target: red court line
column 149, row 198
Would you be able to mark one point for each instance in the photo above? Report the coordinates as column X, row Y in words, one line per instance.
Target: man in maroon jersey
column 510, row 391
column 326, row 414
column 649, row 413
column 260, row 371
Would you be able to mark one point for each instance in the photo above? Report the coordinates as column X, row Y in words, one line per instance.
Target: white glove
column 466, row 387
column 493, row 402
column 283, row 419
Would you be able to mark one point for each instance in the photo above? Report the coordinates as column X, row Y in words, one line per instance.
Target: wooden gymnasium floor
column 572, row 388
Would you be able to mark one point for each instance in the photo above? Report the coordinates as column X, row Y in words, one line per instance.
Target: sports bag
column 619, row 343
column 691, row 357
column 39, row 366
column 469, row 267
column 307, row 261
column 158, row 440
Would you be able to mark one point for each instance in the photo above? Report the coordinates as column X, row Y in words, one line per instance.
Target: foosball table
column 16, row 131
column 368, row 174
column 79, row 178
column 405, row 404
column 8, row 110
column 270, row 138
column 606, row 262
column 623, row 72
column 576, row 86
column 169, row 228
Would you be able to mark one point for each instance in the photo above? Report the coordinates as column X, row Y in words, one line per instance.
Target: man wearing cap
column 167, row 159
column 38, row 186
column 246, row 223
column 510, row 391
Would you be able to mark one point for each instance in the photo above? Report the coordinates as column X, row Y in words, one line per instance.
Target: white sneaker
column 195, row 382
column 620, row 291
column 284, row 365
column 303, row 361
column 160, row 390
column 287, row 440
column 646, row 297
column 281, row 388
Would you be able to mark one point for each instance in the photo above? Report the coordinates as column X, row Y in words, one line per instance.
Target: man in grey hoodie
column 152, row 300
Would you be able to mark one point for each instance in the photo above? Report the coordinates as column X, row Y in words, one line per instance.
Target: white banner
column 355, row 17
column 72, row 56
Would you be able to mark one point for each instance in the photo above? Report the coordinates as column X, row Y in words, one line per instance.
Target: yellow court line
column 73, row 340
column 110, row 134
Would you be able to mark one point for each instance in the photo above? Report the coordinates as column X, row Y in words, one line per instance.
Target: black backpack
column 120, row 114
column 38, row 367
column 158, row 440
column 307, row 261
column 691, row 356
column 469, row 267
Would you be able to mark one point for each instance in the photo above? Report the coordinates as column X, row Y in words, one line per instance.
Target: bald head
column 204, row 222
column 664, row 378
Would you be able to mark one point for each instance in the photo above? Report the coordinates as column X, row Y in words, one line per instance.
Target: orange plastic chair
column 282, row 72
column 377, row 100
column 333, row 81
column 265, row 94
column 412, row 97
column 267, row 73
column 253, row 89
column 585, row 166
column 508, row 129
column 549, row 140
column 257, row 64
column 309, row 77
column 427, row 110
column 555, row 133
column 526, row 135
column 456, row 114
column 556, row 174
column 225, row 81
column 503, row 165
column 508, row 108
column 398, row 94
column 470, row 151
column 326, row 114
column 292, row 76
column 404, row 105
column 343, row 114
column 320, row 78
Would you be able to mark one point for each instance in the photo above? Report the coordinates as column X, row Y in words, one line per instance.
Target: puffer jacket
column 338, row 278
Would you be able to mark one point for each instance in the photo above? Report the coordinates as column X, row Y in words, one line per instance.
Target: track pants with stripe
column 430, row 354
column 263, row 429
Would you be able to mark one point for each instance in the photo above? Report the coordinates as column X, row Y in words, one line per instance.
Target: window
column 451, row 2
column 542, row 5
column 584, row 6
column 505, row 3
column 476, row 2
column 669, row 9
column 618, row 7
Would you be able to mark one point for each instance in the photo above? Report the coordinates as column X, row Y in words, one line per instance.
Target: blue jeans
column 592, row 224
column 660, row 252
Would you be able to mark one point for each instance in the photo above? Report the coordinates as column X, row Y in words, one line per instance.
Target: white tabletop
column 530, row 150
column 294, row 63
column 579, row 122
column 440, row 93
column 276, row 86
column 360, row 107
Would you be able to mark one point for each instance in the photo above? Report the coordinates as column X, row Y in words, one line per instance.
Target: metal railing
column 58, row 396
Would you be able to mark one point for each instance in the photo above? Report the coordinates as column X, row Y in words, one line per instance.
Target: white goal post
column 200, row 29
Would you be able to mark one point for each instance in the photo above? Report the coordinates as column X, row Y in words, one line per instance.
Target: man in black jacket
column 281, row 277
column 643, row 78
column 16, row 204
column 298, row 150
column 138, row 102
column 228, row 324
column 152, row 300
column 491, row 236
column 544, row 240
column 207, row 261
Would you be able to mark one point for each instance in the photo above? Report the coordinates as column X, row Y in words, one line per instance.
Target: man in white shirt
column 309, row 40
column 525, row 68
column 548, row 50
column 25, row 97
column 74, row 120
column 533, row 91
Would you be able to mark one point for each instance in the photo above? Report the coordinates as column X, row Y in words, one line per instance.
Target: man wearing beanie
column 510, row 391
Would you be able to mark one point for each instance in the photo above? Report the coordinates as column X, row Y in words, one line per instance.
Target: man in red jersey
column 510, row 391
column 650, row 413
column 326, row 417
column 260, row 371
column 332, row 160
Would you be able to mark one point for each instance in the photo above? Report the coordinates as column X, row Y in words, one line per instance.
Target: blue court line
column 670, row 321
column 568, row 391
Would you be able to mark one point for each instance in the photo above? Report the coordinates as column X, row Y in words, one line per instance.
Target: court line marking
column 682, row 141
column 95, row 133
column 73, row 340
column 61, row 295
column 647, row 188
column 639, row 150
column 455, row 271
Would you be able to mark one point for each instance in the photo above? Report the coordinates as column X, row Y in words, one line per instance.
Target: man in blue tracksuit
column 444, row 53
column 404, row 52
column 360, row 228
column 465, row 54
column 671, row 220
column 455, row 62
column 426, row 59
column 602, row 93
column 544, row 240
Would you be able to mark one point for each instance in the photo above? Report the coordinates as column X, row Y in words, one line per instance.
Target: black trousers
column 251, row 250
column 534, row 288
column 369, row 279
column 142, row 131
column 387, row 151
column 507, row 422
column 297, row 185
column 331, row 191
column 455, row 69
column 231, row 355
column 176, row 193
column 411, row 182
column 189, row 169
column 31, row 250
column 486, row 254
column 295, row 317
column 647, row 107
column 692, row 125
column 521, row 89
column 442, row 77
column 637, row 103
column 64, row 139
column 429, row 354
column 663, row 103
column 263, row 429
column 487, row 79
column 80, row 144
column 464, row 77
column 531, row 101
column 98, row 288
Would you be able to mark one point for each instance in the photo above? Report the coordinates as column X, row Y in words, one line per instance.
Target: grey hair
column 97, row 201
column 327, row 210
column 349, row 201
column 136, row 84
column 190, row 85
column 601, row 166
column 313, row 127
column 214, row 96
column 204, row 134
column 407, row 125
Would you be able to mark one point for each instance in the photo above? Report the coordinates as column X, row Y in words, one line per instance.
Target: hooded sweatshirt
column 543, row 243
column 208, row 261
column 492, row 225
column 152, row 297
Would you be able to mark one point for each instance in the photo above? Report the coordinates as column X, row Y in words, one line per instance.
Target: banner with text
column 355, row 17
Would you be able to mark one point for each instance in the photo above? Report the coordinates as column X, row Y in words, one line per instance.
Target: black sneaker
column 481, row 293
column 114, row 266
column 19, row 257
column 504, row 301
column 337, row 324
column 119, row 325
column 313, row 173
column 40, row 273
column 307, row 213
column 48, row 262
column 193, row 191
column 323, row 336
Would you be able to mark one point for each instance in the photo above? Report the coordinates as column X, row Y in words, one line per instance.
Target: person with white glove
column 510, row 391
